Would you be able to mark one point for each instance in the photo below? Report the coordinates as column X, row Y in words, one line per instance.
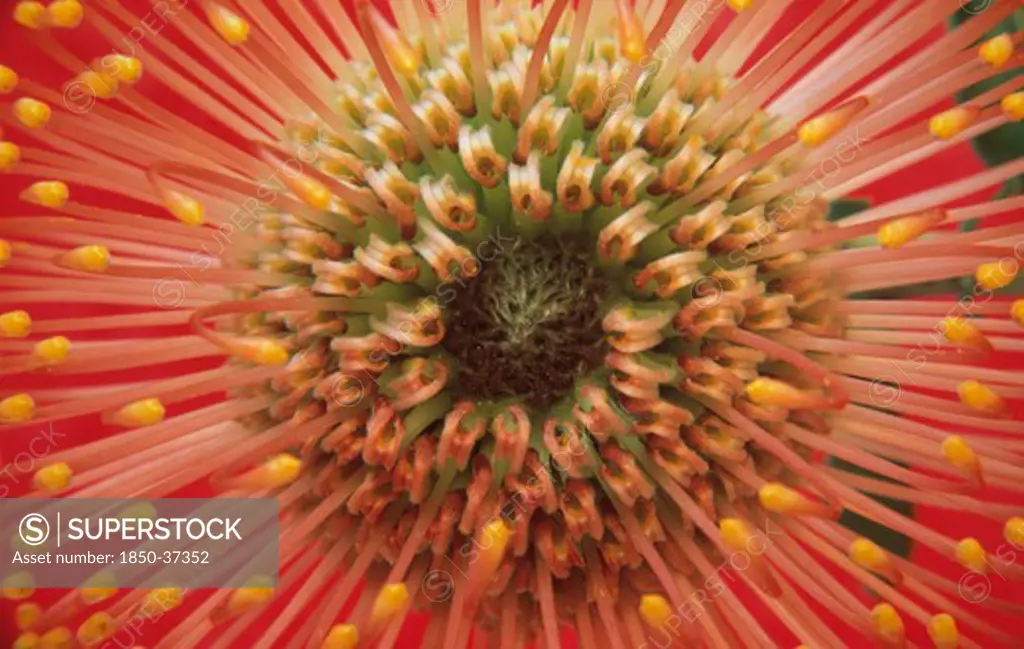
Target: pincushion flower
column 529, row 317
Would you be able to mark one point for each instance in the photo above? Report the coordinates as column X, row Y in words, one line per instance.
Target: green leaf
column 885, row 537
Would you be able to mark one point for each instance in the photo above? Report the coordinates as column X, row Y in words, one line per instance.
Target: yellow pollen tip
column 96, row 595
column 1013, row 105
column 52, row 350
column 951, row 123
column 496, row 535
column 887, row 623
column 654, row 610
column 59, row 638
column 961, row 332
column 959, row 453
column 262, row 351
column 979, row 396
column 31, row 112
column 400, row 52
column 32, row 15
column 778, row 498
column 101, row 85
column 994, row 276
column 26, row 614
column 232, row 28
column 740, row 5
column 1017, row 312
column 632, row 43
column 5, row 253
column 735, row 532
column 246, row 599
column 770, row 392
column 280, row 470
column 145, row 412
column 184, row 208
column 312, row 192
column 15, row 324
column 389, row 602
column 818, row 130
column 126, row 69
column 17, row 587
column 162, row 600
column 49, row 193
column 902, row 231
column 1013, row 532
column 90, row 259
column 10, row 154
column 27, row 640
column 866, row 554
column 66, row 13
column 8, row 80
column 17, row 408
column 53, row 477
column 971, row 555
column 96, row 629
column 996, row 51
column 342, row 636
column 943, row 631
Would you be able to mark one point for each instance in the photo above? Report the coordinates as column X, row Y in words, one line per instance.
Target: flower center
column 529, row 324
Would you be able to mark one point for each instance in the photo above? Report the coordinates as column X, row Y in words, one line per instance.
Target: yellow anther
column 979, row 396
column 262, row 351
column 48, row 193
column 52, row 350
column 654, row 610
column 770, row 392
column 277, row 471
column 184, row 208
column 10, row 154
column 58, row 638
column 18, row 586
column 311, row 192
column 997, row 274
column 389, row 603
column 145, row 412
column 31, row 112
column 951, row 123
column 740, row 5
column 997, row 51
column 126, row 69
column 54, row 477
column 1013, row 105
column 17, row 408
column 232, row 27
column 632, row 42
column 96, row 629
column 1017, row 312
column 961, row 332
column 15, row 324
column 1013, row 532
column 27, row 640
column 90, row 259
column 735, row 532
column 101, row 85
column 777, row 497
column 400, row 52
column 971, row 555
column 887, row 623
column 31, row 14
column 960, row 454
column 866, row 554
column 258, row 593
column 100, row 587
column 8, row 80
column 66, row 13
column 161, row 600
column 5, row 253
column 943, row 631
column 342, row 636
column 26, row 614
column 818, row 130
column 902, row 231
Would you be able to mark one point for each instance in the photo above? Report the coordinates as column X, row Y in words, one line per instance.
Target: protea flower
column 531, row 318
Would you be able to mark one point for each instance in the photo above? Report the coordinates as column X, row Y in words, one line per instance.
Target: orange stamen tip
column 311, row 192
column 770, row 392
column 400, row 52
column 777, row 497
column 943, row 632
column 262, row 351
column 54, row 477
column 1013, row 532
column 8, row 80
column 951, row 123
column 52, row 351
column 1013, row 105
column 59, row 638
column 15, row 324
column 740, row 5
column 971, row 555
column 10, row 155
column 32, row 112
column 632, row 44
column 126, row 69
column 997, row 51
column 995, row 275
column 5, row 253
column 26, row 614
column 979, row 396
column 342, row 636
column 389, row 603
column 184, row 208
column 48, row 193
column 902, row 231
column 17, row 587
column 818, row 130
column 868, row 555
column 27, row 640
column 96, row 629
column 89, row 259
column 232, row 28
column 888, row 624
column 1017, row 312
column 278, row 471
column 654, row 610
column 961, row 332
column 259, row 591
column 66, row 13
column 145, row 412
column 32, row 15
column 17, row 408
column 960, row 454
